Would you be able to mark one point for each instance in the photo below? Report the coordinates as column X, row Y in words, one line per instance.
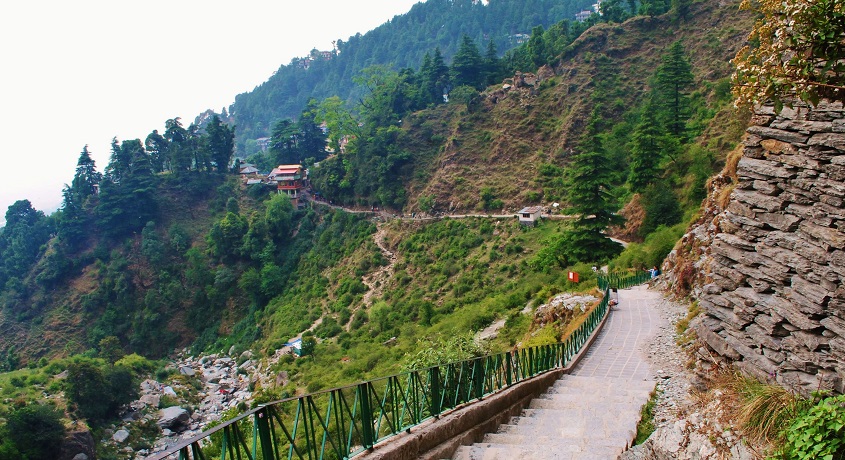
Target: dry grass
column 761, row 410
column 732, row 161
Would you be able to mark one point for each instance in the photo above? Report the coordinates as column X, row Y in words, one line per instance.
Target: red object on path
column 573, row 276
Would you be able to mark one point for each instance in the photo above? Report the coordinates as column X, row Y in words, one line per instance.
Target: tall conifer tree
column 588, row 183
column 673, row 80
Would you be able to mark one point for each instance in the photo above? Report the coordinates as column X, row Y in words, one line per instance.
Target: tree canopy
column 795, row 48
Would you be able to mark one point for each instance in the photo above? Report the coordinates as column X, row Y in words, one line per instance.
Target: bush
column 97, row 392
column 818, row 433
column 136, row 363
column 35, row 431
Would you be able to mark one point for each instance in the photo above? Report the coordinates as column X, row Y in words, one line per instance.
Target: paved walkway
column 617, row 351
column 593, row 412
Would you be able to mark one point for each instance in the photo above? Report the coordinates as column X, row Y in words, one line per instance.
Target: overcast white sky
column 81, row 72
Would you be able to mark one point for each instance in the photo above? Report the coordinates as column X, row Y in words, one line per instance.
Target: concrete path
column 593, row 412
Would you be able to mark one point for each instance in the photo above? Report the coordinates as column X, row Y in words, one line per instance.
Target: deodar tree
column 797, row 47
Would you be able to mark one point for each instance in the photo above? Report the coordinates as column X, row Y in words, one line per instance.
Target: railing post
column 436, row 390
column 509, row 368
column 478, row 377
column 262, row 423
column 368, row 438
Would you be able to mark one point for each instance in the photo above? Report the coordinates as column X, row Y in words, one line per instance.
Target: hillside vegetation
column 398, row 44
column 170, row 250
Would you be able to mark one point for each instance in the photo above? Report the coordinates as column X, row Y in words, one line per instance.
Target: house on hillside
column 583, row 15
column 263, row 143
column 530, row 215
column 248, row 169
column 291, row 181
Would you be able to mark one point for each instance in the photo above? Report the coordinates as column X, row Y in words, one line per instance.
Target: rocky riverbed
column 197, row 392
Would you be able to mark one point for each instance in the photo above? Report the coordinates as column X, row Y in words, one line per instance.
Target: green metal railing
column 343, row 422
column 623, row 280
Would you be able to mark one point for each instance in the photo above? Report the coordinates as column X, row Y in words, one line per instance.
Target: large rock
column 78, row 444
column 174, row 418
column 120, row 436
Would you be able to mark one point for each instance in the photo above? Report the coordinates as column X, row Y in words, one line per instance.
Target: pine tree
column 221, row 143
column 646, row 152
column 588, row 184
column 467, row 65
column 76, row 200
column 492, row 64
column 86, row 179
column 156, row 146
column 673, row 79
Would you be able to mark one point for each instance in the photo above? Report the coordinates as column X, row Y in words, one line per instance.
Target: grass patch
column 765, row 411
column 685, row 334
column 646, row 426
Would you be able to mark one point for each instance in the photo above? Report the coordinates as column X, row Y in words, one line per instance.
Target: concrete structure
column 529, row 215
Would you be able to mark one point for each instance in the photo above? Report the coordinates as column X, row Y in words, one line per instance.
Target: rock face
column 769, row 266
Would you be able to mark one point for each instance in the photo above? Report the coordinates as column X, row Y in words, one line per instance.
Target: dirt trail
column 376, row 280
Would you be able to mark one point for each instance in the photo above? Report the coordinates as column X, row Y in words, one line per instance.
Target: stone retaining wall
column 772, row 289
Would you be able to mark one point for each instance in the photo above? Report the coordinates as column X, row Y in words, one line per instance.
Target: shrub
column 819, row 432
column 36, row 432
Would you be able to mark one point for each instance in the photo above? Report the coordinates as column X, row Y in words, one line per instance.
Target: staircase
column 593, row 412
column 577, row 418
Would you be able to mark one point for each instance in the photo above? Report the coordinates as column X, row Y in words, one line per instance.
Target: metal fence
column 342, row 422
column 623, row 280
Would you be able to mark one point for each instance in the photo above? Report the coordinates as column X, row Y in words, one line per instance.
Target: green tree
column 86, row 179
column 646, row 150
column 467, row 64
column 338, row 119
column 537, row 47
column 284, row 142
column 127, row 204
column 309, row 343
column 673, row 80
column 21, row 240
column 680, row 9
column 110, row 349
column 87, row 389
column 221, row 143
column 278, row 217
column 493, row 68
column 613, row 11
column 795, row 48
column 654, row 7
column 179, row 149
column 661, row 208
column 226, row 236
column 36, row 431
column 588, row 184
column 120, row 162
column 272, row 280
column 76, row 205
column 157, row 147
column 312, row 142
column 96, row 393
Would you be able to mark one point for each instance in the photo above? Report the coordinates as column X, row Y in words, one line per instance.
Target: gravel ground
column 668, row 360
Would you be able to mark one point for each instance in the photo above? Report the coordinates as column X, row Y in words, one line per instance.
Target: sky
column 81, row 72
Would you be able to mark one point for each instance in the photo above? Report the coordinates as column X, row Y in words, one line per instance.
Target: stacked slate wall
column 772, row 294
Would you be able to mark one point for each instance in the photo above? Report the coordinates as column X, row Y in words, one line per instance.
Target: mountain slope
column 399, row 43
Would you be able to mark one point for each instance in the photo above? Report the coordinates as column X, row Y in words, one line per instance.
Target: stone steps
column 577, row 418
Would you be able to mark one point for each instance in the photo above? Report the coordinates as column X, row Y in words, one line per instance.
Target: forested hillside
column 626, row 115
column 398, row 44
